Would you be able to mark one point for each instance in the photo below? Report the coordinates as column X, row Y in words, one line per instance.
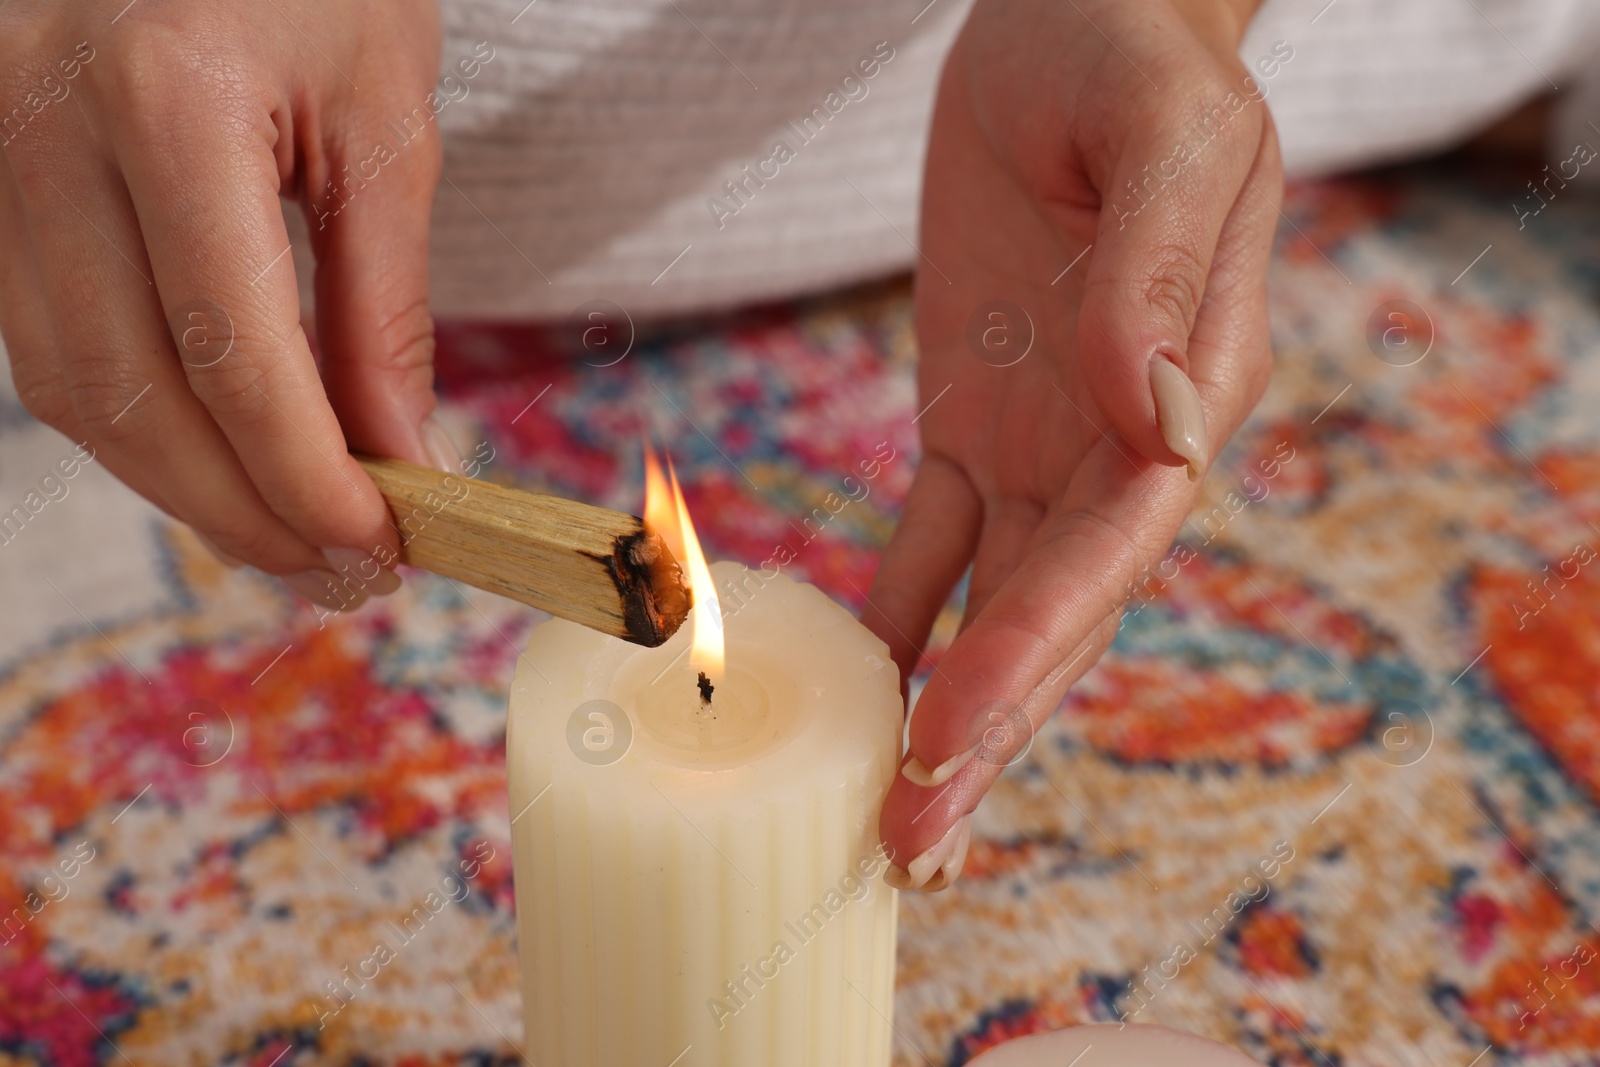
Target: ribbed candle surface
column 700, row 885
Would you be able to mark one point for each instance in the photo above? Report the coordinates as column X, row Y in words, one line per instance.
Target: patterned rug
column 1330, row 798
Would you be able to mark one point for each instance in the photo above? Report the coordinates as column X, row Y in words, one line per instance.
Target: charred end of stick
column 655, row 594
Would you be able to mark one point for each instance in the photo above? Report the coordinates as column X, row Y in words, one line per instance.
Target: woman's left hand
column 1058, row 410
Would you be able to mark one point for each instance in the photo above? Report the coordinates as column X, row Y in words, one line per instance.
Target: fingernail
column 918, row 774
column 897, row 877
column 1178, row 414
column 319, row 587
column 222, row 557
column 358, row 566
column 442, row 452
column 925, row 866
column 951, row 869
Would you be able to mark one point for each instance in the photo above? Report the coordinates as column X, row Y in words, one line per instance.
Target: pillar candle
column 699, row 881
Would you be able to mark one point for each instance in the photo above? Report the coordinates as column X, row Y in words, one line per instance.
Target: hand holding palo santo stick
column 602, row 569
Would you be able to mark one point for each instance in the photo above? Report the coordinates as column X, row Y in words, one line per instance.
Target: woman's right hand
column 147, row 296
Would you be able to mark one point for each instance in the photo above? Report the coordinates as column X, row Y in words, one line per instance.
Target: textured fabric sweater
column 679, row 155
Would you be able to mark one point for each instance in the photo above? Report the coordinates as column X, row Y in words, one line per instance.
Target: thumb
column 369, row 229
column 1162, row 211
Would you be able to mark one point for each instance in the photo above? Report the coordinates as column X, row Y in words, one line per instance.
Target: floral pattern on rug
column 1331, row 797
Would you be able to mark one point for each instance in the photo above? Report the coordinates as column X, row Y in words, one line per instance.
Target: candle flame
column 668, row 516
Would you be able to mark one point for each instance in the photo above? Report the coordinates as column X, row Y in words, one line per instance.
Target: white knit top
column 676, row 155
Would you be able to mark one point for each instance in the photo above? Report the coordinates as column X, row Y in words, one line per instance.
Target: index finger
column 1030, row 641
column 205, row 184
column 1075, row 572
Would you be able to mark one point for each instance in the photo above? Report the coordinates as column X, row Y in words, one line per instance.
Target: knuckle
column 109, row 405
column 23, row 40
column 1080, row 534
column 246, row 539
column 1088, row 529
column 406, row 340
column 230, row 388
column 143, row 73
column 34, row 83
column 162, row 74
column 1175, row 284
column 42, row 395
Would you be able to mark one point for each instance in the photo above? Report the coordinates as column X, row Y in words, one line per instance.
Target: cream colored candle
column 699, row 883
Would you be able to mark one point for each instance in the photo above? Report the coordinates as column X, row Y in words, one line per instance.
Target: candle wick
column 706, row 688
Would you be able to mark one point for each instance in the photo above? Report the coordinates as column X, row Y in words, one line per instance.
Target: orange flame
column 660, row 510
column 668, row 516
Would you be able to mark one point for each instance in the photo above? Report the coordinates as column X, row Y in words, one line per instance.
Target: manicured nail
column 958, row 859
column 897, row 877
column 918, row 774
column 946, row 875
column 222, row 557
column 929, row 863
column 1178, row 413
column 362, row 571
column 442, row 452
column 317, row 586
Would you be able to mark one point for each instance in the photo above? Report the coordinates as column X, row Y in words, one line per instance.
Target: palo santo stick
column 600, row 568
